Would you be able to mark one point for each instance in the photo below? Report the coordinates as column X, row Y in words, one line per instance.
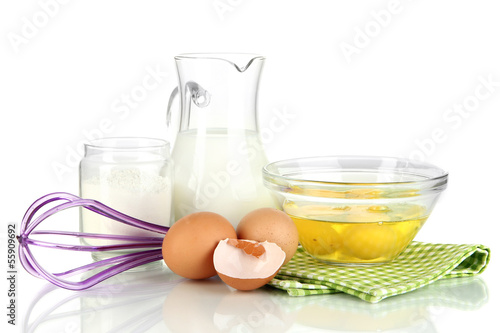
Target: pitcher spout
column 240, row 61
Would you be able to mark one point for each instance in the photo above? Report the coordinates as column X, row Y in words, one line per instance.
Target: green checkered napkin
column 419, row 265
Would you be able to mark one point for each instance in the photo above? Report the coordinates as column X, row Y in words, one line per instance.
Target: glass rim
column 241, row 61
column 217, row 55
column 439, row 179
column 127, row 143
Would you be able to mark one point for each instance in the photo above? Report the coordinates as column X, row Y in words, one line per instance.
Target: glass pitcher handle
column 199, row 96
column 171, row 131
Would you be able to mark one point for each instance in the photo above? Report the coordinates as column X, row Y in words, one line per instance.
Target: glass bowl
column 355, row 209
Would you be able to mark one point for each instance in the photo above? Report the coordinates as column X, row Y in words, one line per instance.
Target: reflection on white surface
column 128, row 302
column 159, row 301
column 412, row 312
column 211, row 306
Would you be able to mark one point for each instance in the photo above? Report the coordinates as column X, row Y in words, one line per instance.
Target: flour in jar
column 134, row 191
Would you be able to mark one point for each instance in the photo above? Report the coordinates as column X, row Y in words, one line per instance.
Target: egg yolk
column 370, row 241
column 356, row 233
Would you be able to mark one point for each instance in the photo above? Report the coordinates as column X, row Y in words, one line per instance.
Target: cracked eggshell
column 247, row 264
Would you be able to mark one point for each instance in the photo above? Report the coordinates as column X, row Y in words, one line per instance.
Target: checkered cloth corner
column 419, row 265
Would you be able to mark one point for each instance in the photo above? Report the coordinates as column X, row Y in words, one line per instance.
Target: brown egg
column 189, row 245
column 272, row 225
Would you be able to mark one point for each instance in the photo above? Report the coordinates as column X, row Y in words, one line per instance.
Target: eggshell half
column 247, row 264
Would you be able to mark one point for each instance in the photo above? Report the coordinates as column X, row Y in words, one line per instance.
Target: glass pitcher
column 218, row 154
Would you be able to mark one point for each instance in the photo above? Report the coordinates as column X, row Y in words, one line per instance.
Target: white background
column 353, row 77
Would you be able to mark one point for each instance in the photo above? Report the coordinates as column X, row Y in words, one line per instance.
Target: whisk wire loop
column 117, row 264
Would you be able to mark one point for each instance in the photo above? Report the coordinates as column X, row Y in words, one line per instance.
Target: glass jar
column 130, row 175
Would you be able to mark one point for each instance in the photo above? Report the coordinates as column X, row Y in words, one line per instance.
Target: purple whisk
column 152, row 245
